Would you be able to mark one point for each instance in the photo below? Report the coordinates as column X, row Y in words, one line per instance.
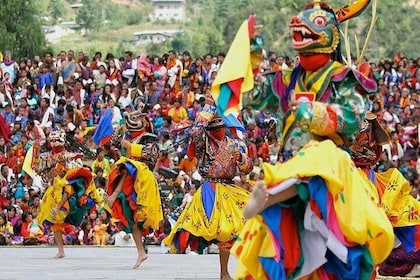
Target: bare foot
column 258, row 199
column 59, row 255
column 140, row 260
column 225, row 277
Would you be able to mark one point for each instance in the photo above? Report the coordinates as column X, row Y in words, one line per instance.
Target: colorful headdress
column 315, row 30
column 215, row 123
column 57, row 138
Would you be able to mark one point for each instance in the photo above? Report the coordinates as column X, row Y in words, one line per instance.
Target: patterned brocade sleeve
column 342, row 115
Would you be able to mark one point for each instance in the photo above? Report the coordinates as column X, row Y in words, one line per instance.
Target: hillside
column 212, row 24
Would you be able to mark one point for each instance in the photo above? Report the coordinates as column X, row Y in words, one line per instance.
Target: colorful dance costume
column 215, row 212
column 76, row 183
column 394, row 193
column 334, row 228
column 139, row 200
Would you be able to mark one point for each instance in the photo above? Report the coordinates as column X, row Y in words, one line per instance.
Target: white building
column 154, row 36
column 168, row 10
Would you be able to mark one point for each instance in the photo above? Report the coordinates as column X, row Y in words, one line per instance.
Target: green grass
column 113, row 41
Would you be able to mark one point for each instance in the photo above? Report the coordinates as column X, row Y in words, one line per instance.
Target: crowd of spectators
column 72, row 92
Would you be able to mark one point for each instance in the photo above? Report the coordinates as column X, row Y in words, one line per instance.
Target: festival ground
column 36, row 263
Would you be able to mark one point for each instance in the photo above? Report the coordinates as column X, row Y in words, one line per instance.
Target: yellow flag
column 27, row 163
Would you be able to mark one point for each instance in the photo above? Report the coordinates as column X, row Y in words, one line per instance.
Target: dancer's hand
column 110, row 200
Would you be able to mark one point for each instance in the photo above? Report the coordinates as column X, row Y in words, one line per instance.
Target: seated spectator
column 100, row 234
column 6, row 231
column 177, row 112
column 101, row 162
column 31, row 232
column 163, row 161
column 111, row 227
column 36, row 205
column 167, row 145
column 35, row 133
column 178, row 196
column 188, row 197
column 85, row 235
column 188, row 164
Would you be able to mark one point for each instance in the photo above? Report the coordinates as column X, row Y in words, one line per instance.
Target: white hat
column 395, row 157
column 157, row 107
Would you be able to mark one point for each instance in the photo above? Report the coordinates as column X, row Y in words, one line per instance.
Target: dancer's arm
column 262, row 198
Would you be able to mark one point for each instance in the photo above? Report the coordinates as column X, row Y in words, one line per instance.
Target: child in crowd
column 6, row 231
column 86, row 233
column 100, row 236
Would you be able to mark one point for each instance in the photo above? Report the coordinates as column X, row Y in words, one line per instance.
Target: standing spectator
column 174, row 67
column 100, row 77
column 114, row 77
column 159, row 73
column 70, row 71
column 188, row 68
column 128, row 68
column 86, row 74
column 45, row 78
column 8, row 65
column 94, row 64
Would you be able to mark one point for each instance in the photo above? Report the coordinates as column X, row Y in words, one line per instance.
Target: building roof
column 76, row 5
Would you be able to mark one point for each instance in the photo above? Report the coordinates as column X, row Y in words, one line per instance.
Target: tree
column 56, row 8
column 21, row 31
column 89, row 15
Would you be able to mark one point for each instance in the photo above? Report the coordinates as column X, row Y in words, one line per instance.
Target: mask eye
column 319, row 21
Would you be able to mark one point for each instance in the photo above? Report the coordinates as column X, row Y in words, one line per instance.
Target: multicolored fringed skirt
column 139, row 201
column 214, row 214
column 333, row 229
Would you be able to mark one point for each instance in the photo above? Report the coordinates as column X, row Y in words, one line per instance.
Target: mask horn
column 352, row 10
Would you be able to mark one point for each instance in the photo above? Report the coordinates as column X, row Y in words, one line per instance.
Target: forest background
column 210, row 25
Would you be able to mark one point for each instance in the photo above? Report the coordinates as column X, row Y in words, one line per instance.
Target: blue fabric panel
column 318, row 192
column 208, row 196
column 406, row 235
column 272, row 218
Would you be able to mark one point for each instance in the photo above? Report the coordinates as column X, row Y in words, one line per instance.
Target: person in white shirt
column 116, row 114
column 125, row 99
column 391, row 118
column 188, row 197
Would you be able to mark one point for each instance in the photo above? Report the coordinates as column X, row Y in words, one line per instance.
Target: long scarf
column 8, row 62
